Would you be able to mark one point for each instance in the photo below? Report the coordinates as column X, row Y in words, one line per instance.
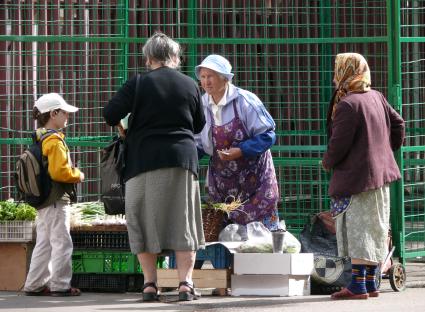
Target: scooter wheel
column 378, row 278
column 397, row 276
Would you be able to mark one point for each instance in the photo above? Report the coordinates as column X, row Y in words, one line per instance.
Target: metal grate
column 283, row 51
column 411, row 218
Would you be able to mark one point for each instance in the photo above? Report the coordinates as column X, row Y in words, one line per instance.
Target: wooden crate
column 207, row 278
column 15, row 259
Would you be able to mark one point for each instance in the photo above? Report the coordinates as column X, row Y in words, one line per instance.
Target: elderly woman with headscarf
column 363, row 131
column 238, row 135
column 162, row 196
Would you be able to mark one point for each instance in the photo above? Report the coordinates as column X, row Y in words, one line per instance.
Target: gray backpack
column 33, row 182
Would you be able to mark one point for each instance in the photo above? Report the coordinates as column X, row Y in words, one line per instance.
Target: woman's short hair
column 163, row 49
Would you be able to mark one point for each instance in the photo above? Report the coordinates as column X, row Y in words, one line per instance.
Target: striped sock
column 358, row 279
column 371, row 278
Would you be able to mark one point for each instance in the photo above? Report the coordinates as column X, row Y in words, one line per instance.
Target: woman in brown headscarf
column 363, row 131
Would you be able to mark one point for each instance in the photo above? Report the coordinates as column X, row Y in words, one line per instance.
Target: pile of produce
column 255, row 247
column 225, row 207
column 15, row 211
column 86, row 214
column 89, row 214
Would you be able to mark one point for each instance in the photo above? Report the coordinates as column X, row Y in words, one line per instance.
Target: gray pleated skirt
column 362, row 230
column 163, row 211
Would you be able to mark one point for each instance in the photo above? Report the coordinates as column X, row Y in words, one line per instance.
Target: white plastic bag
column 259, row 239
column 291, row 244
column 233, row 233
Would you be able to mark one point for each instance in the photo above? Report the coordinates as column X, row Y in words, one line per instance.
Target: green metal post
column 325, row 92
column 394, row 83
column 126, row 44
column 326, row 58
column 191, row 58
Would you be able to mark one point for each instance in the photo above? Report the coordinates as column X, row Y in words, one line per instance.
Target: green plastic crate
column 108, row 262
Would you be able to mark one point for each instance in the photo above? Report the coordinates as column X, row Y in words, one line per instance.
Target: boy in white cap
column 50, row 271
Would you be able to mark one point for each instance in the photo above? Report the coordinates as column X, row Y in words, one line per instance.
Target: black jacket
column 161, row 131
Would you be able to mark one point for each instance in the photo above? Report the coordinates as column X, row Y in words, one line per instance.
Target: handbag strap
column 136, row 97
column 121, row 156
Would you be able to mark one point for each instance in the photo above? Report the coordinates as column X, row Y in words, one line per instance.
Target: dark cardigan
column 364, row 133
column 161, row 132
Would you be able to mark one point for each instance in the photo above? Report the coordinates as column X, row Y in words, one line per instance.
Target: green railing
column 283, row 51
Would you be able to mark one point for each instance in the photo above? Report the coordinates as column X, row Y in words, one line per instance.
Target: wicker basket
column 212, row 220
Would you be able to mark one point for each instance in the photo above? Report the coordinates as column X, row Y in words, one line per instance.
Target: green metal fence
column 281, row 50
column 409, row 46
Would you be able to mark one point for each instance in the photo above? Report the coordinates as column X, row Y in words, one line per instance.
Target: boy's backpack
column 32, row 179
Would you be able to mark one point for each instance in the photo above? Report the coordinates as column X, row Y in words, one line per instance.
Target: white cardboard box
column 273, row 263
column 270, row 285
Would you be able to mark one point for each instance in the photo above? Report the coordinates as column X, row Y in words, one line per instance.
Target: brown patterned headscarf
column 351, row 74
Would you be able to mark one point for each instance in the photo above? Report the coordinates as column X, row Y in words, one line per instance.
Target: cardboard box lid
column 273, row 263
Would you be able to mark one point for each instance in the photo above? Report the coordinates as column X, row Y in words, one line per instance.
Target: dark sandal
column 150, row 296
column 71, row 292
column 45, row 291
column 188, row 295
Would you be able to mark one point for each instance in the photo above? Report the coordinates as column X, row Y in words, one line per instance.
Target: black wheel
column 397, row 276
column 378, row 278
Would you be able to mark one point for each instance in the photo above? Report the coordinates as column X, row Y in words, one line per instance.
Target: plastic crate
column 104, row 262
column 16, row 231
column 112, row 262
column 108, row 282
column 219, row 256
column 100, row 240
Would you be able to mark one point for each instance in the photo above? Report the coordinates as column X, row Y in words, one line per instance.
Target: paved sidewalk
column 415, row 274
column 412, row 300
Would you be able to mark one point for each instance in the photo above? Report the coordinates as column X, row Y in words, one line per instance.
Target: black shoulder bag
column 331, row 273
column 112, row 166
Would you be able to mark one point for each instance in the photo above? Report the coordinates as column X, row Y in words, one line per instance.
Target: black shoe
column 150, row 296
column 188, row 295
column 70, row 292
column 45, row 291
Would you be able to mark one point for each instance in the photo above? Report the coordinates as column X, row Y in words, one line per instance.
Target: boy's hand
column 81, row 176
column 121, row 130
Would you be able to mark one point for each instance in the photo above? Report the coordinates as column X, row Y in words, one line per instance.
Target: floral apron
column 251, row 180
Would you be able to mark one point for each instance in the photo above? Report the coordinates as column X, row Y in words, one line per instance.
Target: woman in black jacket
column 163, row 208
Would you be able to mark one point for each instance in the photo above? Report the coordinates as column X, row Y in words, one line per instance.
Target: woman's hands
column 324, row 167
column 230, row 154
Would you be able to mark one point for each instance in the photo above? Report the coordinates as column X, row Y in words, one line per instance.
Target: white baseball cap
column 216, row 63
column 53, row 101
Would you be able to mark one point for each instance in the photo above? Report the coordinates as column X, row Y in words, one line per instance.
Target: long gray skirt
column 362, row 230
column 163, row 211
